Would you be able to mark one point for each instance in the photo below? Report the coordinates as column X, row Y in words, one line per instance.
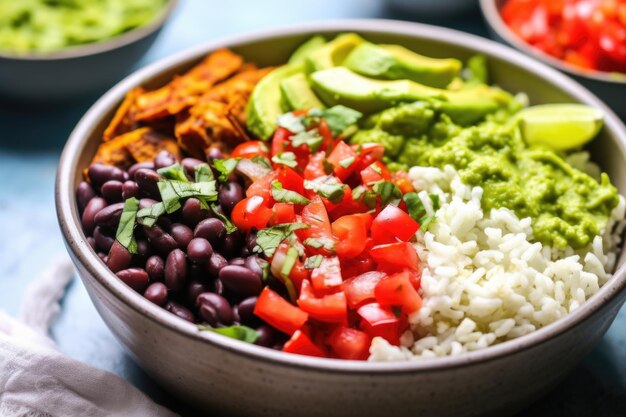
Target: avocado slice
column 297, row 93
column 266, row 104
column 305, row 49
column 394, row 62
column 333, row 53
column 339, row 85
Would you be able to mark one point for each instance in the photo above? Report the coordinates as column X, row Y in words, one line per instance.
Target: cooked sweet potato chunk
column 125, row 118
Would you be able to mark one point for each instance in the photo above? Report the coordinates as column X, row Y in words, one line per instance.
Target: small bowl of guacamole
column 60, row 49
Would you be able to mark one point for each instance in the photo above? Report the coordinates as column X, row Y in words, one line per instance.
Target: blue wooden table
column 31, row 140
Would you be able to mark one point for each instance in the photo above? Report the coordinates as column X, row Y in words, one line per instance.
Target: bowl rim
column 491, row 14
column 99, row 47
column 89, row 262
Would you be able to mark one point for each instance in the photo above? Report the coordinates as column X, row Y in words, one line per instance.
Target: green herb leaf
column 347, row 162
column 288, row 263
column 172, row 191
column 291, row 122
column 173, row 172
column 285, row 158
column 230, row 227
column 265, row 267
column 243, row 333
column 388, row 192
column 148, row 216
column 225, row 167
column 376, row 168
column 417, row 211
column 286, row 196
column 339, row 118
column 126, row 226
column 268, row 239
column 328, row 187
column 328, row 167
column 310, row 138
column 203, row 173
column 263, row 161
column 313, row 262
column 321, row 243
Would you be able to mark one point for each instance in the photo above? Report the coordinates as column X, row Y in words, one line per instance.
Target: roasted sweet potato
column 125, row 118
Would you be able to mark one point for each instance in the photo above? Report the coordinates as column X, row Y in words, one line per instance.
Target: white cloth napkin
column 36, row 380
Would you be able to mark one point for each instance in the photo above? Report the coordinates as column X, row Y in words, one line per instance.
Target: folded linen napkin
column 36, row 380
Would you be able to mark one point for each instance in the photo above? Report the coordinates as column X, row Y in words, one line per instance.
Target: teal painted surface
column 31, row 140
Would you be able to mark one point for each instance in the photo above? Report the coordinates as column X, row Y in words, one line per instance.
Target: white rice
column 484, row 280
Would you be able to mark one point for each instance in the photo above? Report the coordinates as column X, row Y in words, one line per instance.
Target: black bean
column 155, row 266
column 175, row 270
column 99, row 174
column 157, row 293
column 139, row 165
column 93, row 207
column 245, row 252
column 194, row 289
column 232, row 244
column 147, row 181
column 109, row 216
column 230, row 194
column 240, row 280
column 182, row 234
column 143, row 249
column 112, row 191
column 266, row 336
column 212, row 230
column 193, row 212
column 237, row 261
column 119, row 257
column 129, row 189
column 165, row 222
column 160, row 240
column 92, row 242
column 214, row 309
column 252, row 263
column 199, row 250
column 251, row 241
column 218, row 287
column 164, row 159
column 214, row 153
column 146, row 202
column 197, row 272
column 189, row 164
column 216, row 263
column 136, row 278
column 103, row 257
column 246, row 312
column 181, row 311
column 103, row 240
column 84, row 193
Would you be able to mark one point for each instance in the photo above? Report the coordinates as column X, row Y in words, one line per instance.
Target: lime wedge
column 560, row 126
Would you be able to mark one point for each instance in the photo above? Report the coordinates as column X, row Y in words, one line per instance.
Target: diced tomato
column 290, row 179
column 251, row 213
column 262, row 187
column 375, row 150
column 250, row 149
column 315, row 167
column 361, row 264
column 375, row 172
column 377, row 320
column 282, row 213
column 314, row 214
column 301, row 344
column 279, row 313
column 328, row 141
column 393, row 224
column 351, row 234
column 397, row 290
column 330, row 308
column 361, row 288
column 400, row 255
column 343, row 158
column 327, row 275
column 297, row 274
column 280, row 141
column 402, row 181
column 350, row 343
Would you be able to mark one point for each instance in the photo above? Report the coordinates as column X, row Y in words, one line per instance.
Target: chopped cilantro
column 243, row 333
column 203, row 173
column 282, row 195
column 338, row 117
column 173, row 172
column 172, row 191
column 388, row 192
column 376, row 168
column 230, row 227
column 291, row 122
column 328, row 187
column 268, row 239
column 417, row 210
column 285, row 158
column 313, row 262
column 310, row 138
column 125, row 228
column 325, row 243
column 347, row 162
column 225, row 167
column 148, row 216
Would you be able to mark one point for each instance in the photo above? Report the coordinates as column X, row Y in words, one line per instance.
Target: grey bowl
column 610, row 87
column 79, row 70
column 227, row 377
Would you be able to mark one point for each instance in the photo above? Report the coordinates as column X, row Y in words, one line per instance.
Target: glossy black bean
column 139, row 165
column 197, row 272
column 84, row 193
column 175, row 270
column 164, row 159
column 214, row 309
column 136, row 278
column 182, row 234
column 251, row 241
column 165, row 222
column 181, row 311
column 110, row 215
column 192, row 212
column 229, row 195
column 215, row 264
column 237, row 261
column 147, row 181
column 212, row 230
column 119, row 257
column 199, row 250
column 240, row 280
column 92, row 242
column 252, row 263
column 232, row 244
column 155, row 266
column 129, row 189
column 163, row 242
column 103, row 240
column 93, row 207
column 99, row 174
column 266, row 336
column 144, row 250
column 112, row 191
column 218, row 287
column 157, row 293
column 103, row 256
column 189, row 164
column 246, row 312
column 194, row 289
column 146, row 202
column 214, row 153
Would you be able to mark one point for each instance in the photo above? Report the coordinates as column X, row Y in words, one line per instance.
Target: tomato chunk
column 397, row 290
column 361, row 287
column 282, row 213
column 251, row 213
column 350, row 343
column 250, row 149
column 290, row 179
column 330, row 308
column 343, row 158
column 301, row 344
column 375, row 172
column 327, row 275
column 278, row 312
column 262, row 187
column 377, row 320
column 351, row 234
column 399, row 255
column 393, row 224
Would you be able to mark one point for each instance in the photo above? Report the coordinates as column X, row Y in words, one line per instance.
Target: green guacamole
column 44, row 26
column 567, row 206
